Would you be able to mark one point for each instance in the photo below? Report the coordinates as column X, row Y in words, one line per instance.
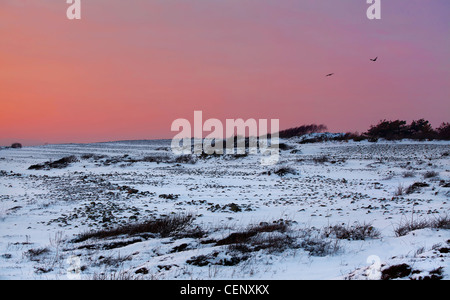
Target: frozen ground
column 325, row 211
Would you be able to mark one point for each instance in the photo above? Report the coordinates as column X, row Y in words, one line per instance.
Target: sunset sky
column 128, row 69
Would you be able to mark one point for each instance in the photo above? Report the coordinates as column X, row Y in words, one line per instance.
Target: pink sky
column 128, row 69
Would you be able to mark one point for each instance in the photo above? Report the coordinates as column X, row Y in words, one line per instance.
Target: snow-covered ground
column 329, row 210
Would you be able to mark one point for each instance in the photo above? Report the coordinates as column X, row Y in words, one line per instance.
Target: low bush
column 36, row 253
column 265, row 236
column 430, row 174
column 355, row 232
column 169, row 196
column 396, row 271
column 58, row 164
column 186, row 159
column 317, row 245
column 16, row 145
column 415, row 187
column 164, row 227
column 244, row 236
column 400, row 190
column 441, row 222
column 283, row 171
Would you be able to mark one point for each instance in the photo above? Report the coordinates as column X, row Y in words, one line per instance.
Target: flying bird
column 329, row 74
column 374, row 59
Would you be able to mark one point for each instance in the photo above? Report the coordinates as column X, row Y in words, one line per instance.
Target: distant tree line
column 399, row 129
column 388, row 130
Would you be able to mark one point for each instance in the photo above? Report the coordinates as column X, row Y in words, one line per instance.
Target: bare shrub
column 244, row 236
column 113, row 261
column 415, row 187
column 36, row 253
column 400, row 191
column 58, row 164
column 405, row 227
column 317, row 245
column 354, row 232
column 430, row 174
column 441, row 222
column 164, row 227
column 283, row 171
column 271, row 241
column 16, row 145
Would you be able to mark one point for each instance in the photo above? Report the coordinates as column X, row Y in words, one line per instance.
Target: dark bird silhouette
column 329, row 74
column 374, row 59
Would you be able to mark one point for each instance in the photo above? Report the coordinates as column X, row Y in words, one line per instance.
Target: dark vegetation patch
column 326, row 137
column 186, row 159
column 436, row 274
column 202, row 260
column 244, row 236
column 16, row 145
column 58, row 164
column 229, row 259
column 317, row 245
column 155, row 158
column 92, row 156
column 214, row 259
column 128, row 189
column 441, row 222
column 163, row 227
column 354, row 232
column 142, row 271
column 230, row 207
column 180, row 248
column 415, row 187
column 169, row 196
column 396, row 271
column 408, row 174
column 113, row 245
column 430, row 174
column 112, row 261
column 281, row 171
column 389, row 130
column 285, row 147
column 36, row 253
column 265, row 236
column 444, row 250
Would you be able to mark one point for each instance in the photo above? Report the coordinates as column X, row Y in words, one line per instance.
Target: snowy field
column 132, row 210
